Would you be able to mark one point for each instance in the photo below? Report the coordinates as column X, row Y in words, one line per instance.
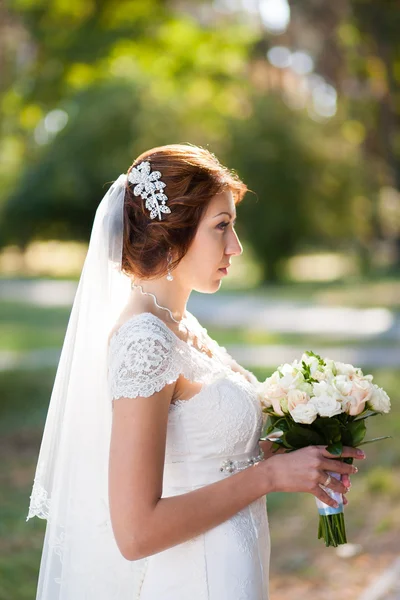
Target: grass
column 26, row 327
column 24, row 402
column 355, row 291
column 24, row 399
column 256, row 337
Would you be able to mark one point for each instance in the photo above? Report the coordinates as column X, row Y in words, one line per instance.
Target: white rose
column 296, row 397
column 286, row 368
column 304, row 386
column 326, row 405
column 342, row 385
column 296, row 364
column 379, row 400
column 330, row 364
column 329, row 374
column 323, row 388
column 312, row 362
column 291, row 377
column 320, row 375
column 348, row 370
column 304, row 413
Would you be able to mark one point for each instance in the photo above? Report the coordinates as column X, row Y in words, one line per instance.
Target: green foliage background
column 133, row 75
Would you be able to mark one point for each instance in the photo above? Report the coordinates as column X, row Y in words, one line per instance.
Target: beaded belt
column 232, row 465
column 187, row 473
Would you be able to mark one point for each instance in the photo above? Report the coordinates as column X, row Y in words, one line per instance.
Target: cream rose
column 271, row 392
column 304, row 413
column 320, row 375
column 352, row 406
column 348, row 370
column 296, row 397
column 326, row 405
column 276, row 401
column 342, row 385
column 379, row 400
column 323, row 388
column 361, row 392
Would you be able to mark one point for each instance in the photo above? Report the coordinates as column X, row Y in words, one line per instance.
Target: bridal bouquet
column 317, row 401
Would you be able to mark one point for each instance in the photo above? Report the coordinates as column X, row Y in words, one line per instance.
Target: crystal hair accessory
column 150, row 188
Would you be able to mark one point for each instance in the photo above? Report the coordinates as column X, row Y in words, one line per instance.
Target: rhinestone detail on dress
column 229, row 465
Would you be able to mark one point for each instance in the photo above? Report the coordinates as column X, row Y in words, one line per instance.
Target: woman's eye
column 223, row 225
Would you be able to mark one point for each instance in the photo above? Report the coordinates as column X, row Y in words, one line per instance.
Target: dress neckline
column 188, row 346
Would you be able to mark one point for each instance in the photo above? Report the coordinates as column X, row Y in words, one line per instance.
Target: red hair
column 192, row 176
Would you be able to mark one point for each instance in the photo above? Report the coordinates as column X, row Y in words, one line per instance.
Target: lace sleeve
column 143, row 358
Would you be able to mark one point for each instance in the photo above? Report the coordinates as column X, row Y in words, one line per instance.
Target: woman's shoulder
column 140, row 324
column 144, row 355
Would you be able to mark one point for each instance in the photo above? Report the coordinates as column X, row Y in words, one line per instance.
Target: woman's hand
column 266, row 446
column 303, row 470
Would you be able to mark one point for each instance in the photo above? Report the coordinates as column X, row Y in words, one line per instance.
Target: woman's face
column 213, row 247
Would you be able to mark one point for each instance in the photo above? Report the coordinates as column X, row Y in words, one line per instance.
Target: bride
column 151, row 473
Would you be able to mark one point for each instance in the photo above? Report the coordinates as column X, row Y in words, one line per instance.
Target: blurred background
column 302, row 99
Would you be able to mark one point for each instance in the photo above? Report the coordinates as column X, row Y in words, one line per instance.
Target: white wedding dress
column 223, row 421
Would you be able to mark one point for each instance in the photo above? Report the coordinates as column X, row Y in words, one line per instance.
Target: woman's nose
column 234, row 247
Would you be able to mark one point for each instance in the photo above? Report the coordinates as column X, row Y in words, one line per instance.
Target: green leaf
column 347, row 438
column 357, row 431
column 335, row 449
column 311, row 353
column 287, row 444
column 329, row 428
column 283, row 423
column 300, row 436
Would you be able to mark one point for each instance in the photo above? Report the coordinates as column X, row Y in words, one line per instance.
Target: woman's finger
column 347, row 452
column 346, row 480
column 337, row 466
column 324, row 497
column 334, row 484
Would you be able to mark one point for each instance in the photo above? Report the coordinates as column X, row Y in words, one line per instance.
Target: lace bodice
column 222, row 421
column 145, row 355
column 223, row 418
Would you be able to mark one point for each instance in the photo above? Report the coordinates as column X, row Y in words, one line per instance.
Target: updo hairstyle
column 192, row 176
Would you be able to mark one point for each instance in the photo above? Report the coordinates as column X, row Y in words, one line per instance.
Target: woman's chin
column 209, row 288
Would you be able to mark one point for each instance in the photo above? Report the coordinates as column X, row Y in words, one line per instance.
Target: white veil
column 80, row 558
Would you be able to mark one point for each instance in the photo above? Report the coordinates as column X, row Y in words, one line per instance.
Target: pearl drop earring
column 170, row 277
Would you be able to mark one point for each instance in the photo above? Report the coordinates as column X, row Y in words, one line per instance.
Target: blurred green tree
column 126, row 76
column 305, row 179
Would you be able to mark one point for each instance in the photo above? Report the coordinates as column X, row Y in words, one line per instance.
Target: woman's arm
column 144, row 522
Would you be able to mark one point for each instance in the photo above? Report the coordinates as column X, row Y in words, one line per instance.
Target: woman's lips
column 224, row 271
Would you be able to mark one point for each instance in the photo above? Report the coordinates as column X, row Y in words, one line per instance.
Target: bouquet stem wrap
column 331, row 520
